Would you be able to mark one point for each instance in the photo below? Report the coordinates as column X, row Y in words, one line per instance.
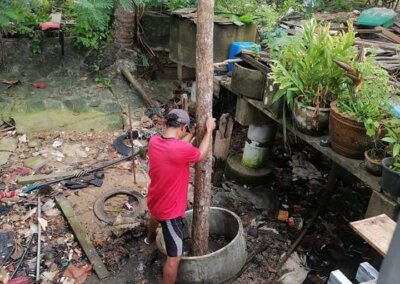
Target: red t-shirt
column 169, row 160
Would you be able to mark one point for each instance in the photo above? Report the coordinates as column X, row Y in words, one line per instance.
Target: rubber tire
column 109, row 219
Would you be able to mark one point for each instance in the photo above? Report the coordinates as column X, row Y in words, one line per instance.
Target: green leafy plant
column 393, row 138
column 104, row 81
column 179, row 4
column 366, row 97
column 23, row 18
column 92, row 19
column 305, row 65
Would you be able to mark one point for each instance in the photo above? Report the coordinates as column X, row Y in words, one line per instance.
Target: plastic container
column 377, row 17
column 238, row 46
column 390, row 178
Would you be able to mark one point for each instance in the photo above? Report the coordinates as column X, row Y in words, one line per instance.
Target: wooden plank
column 377, row 231
column 82, row 237
column 388, row 34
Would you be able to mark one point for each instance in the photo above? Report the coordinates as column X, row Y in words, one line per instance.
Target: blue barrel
column 235, row 49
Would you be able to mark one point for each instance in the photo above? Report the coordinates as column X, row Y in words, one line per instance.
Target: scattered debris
column 11, row 83
column 77, row 274
column 39, row 85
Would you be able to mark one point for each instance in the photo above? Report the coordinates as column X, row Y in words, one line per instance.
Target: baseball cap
column 182, row 116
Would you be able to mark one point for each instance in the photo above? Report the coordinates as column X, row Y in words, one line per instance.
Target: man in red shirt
column 169, row 157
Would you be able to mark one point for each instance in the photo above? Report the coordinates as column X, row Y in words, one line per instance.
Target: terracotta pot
column 307, row 121
column 348, row 136
column 373, row 166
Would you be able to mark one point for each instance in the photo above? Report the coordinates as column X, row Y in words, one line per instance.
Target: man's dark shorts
column 173, row 236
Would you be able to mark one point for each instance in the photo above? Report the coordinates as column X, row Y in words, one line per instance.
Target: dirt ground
column 296, row 186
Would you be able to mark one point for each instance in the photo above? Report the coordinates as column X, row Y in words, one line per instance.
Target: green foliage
column 36, row 41
column 393, row 138
column 293, row 4
column 179, row 4
column 369, row 102
column 23, row 18
column 340, row 5
column 267, row 18
column 305, row 65
column 104, row 81
column 145, row 61
column 92, row 19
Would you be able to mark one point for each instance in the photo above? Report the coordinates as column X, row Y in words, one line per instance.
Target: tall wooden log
column 204, row 78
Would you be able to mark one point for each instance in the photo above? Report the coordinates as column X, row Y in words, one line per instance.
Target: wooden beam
column 82, row 237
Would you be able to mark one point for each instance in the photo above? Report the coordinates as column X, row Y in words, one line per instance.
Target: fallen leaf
column 11, row 83
column 83, row 78
column 43, row 223
column 78, row 274
column 49, row 276
column 52, row 212
column 3, row 275
column 18, row 250
column 20, row 280
column 48, row 205
column 29, row 214
column 100, row 86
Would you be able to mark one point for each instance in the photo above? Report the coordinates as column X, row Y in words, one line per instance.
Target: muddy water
column 215, row 242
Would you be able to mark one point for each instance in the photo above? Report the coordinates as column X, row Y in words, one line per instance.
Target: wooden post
column 204, row 78
column 184, row 102
column 221, row 147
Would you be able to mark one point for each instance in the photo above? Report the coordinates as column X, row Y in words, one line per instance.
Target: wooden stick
column 131, row 139
column 226, row 62
column 128, row 75
column 184, row 102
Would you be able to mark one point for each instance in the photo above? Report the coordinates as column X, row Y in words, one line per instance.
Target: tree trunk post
column 204, row 79
column 124, row 26
column 221, row 147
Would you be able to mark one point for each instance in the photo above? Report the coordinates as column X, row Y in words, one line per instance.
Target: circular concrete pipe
column 256, row 147
column 220, row 265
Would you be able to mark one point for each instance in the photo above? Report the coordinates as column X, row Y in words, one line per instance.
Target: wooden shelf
column 351, row 165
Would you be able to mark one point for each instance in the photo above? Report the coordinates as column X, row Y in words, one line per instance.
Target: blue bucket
column 237, row 47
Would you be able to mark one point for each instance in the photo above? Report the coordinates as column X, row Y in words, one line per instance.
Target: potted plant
column 374, row 157
column 307, row 76
column 391, row 165
column 360, row 108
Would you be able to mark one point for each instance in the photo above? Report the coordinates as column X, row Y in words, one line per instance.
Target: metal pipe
column 39, row 209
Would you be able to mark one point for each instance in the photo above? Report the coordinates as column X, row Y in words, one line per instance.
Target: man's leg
column 171, row 269
column 151, row 229
column 173, row 239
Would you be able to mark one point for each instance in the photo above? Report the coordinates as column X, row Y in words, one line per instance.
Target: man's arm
column 206, row 142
